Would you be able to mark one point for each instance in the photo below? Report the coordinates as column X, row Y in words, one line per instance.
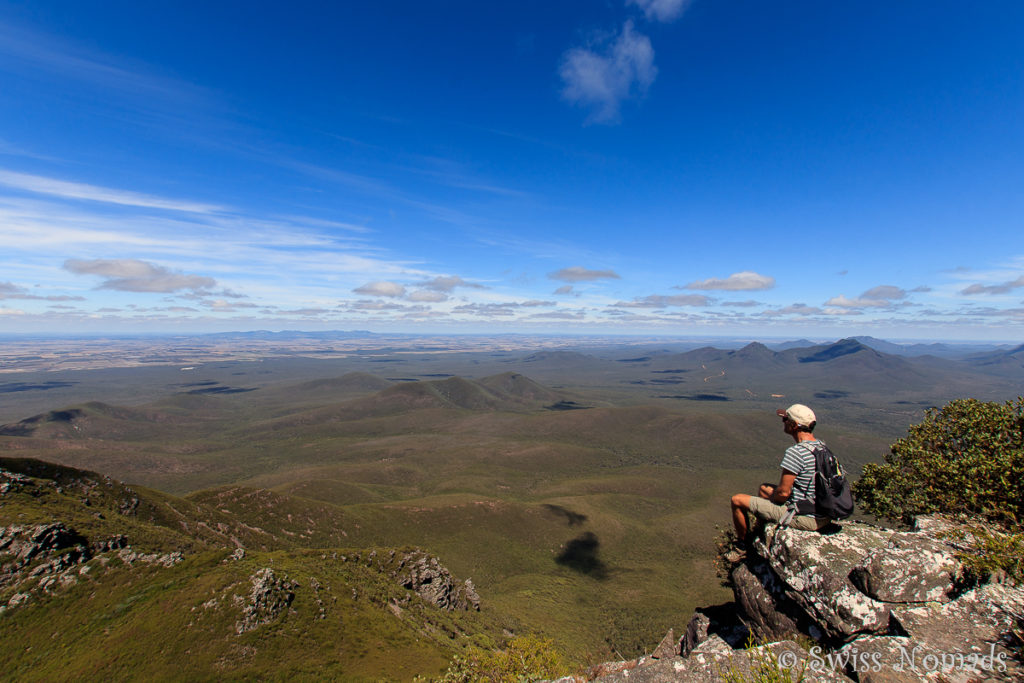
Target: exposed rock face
column 712, row 661
column 269, row 597
column 883, row 606
column 910, row 568
column 41, row 558
column 428, row 578
column 761, row 595
column 815, row 569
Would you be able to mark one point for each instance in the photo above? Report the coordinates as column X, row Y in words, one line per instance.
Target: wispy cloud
column 581, row 274
column 602, row 76
column 1001, row 288
column 792, row 309
column 29, row 49
column 427, row 296
column 661, row 10
column 503, row 309
column 132, row 275
column 662, row 301
column 746, row 280
column 9, row 290
column 71, row 190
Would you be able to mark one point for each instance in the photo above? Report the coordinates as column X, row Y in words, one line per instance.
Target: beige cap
column 798, row 413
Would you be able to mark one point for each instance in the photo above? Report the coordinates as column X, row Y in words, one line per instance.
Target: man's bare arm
column 784, row 490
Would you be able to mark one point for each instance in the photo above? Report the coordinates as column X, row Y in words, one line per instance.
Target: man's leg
column 740, row 505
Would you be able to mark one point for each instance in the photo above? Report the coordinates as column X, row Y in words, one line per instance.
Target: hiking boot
column 737, row 554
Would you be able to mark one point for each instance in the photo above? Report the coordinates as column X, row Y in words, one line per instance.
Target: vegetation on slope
column 964, row 459
column 103, row 581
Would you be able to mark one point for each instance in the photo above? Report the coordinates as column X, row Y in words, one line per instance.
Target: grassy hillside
column 138, row 585
column 583, row 509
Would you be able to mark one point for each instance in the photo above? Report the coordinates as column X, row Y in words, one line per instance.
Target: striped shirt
column 799, row 459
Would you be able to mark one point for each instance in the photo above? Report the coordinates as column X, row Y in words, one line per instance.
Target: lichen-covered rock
column 815, row 568
column 912, row 567
column 668, row 647
column 891, row 659
column 269, row 596
column 797, row 581
column 978, row 622
column 697, row 632
column 761, row 599
column 472, row 597
column 713, row 660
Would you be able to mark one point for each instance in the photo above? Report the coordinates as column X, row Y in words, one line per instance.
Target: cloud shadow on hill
column 580, row 555
column 573, row 518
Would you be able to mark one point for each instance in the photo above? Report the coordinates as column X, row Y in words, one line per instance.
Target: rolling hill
column 592, row 526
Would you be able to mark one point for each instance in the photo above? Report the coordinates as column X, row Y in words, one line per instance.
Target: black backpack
column 832, row 497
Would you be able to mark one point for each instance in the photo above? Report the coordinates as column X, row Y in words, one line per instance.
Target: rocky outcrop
column 857, row 602
column 429, row 579
column 41, row 558
column 270, row 595
column 422, row 574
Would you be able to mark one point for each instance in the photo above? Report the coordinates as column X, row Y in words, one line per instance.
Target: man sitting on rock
column 778, row 503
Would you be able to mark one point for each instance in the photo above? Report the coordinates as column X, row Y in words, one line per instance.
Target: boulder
column 912, row 567
column 815, row 568
column 887, row 659
column 668, row 647
column 696, row 633
column 992, row 611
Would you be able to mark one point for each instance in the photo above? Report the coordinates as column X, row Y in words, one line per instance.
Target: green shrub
column 965, row 458
column 764, row 666
column 527, row 658
column 990, row 552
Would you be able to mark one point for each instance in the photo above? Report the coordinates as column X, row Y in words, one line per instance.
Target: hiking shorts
column 769, row 511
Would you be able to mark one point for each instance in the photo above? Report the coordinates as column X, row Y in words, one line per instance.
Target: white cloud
column 381, row 288
column 448, row 283
column 662, row 301
column 427, row 296
column 70, row 190
column 878, row 297
column 661, row 10
column 746, row 280
column 844, row 301
column 564, row 289
column 600, row 79
column 132, row 275
column 881, row 296
column 580, row 274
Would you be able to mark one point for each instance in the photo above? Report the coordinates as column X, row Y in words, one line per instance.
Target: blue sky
column 780, row 169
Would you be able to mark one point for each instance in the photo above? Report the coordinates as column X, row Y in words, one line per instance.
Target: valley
column 579, row 488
